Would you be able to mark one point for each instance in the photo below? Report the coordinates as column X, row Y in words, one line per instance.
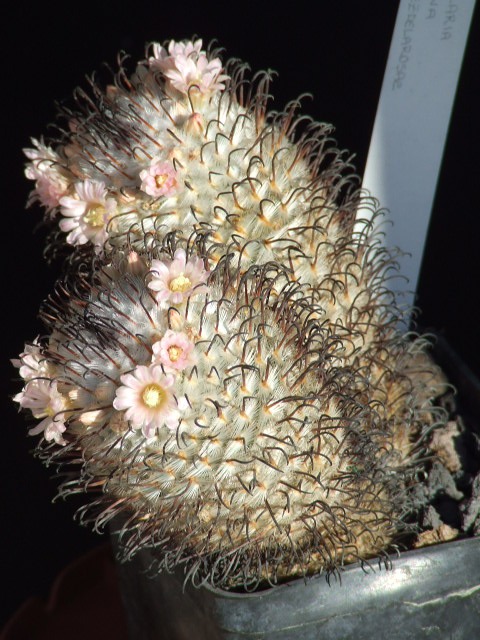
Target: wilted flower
column 31, row 364
column 135, row 262
column 41, row 396
column 46, row 169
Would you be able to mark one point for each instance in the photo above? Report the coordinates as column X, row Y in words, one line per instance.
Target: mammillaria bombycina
column 227, row 372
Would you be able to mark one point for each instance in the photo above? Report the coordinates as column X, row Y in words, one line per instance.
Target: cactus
column 227, row 373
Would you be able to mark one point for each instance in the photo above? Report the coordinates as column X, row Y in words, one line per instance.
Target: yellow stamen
column 160, row 180
column 180, row 284
column 153, row 396
column 174, row 353
column 95, row 216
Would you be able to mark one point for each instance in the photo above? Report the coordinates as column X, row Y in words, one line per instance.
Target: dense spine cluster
column 228, row 371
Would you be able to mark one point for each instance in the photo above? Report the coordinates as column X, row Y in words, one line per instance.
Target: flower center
column 160, row 180
column 174, row 353
column 153, row 396
column 95, row 216
column 180, row 284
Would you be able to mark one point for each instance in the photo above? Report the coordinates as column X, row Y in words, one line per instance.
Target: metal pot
column 427, row 593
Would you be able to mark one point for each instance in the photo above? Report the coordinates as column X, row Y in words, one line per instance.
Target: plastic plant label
column 412, row 120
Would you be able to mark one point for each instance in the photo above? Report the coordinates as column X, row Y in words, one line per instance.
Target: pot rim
column 392, row 567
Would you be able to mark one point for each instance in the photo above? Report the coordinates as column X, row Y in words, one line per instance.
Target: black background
column 336, row 51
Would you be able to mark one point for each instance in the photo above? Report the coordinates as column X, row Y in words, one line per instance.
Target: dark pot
column 427, row 593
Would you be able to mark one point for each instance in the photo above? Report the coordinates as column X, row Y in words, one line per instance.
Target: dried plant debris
column 449, row 498
column 443, row 533
column 471, row 509
column 443, row 444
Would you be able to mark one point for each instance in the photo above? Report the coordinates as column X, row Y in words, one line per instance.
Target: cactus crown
column 227, row 371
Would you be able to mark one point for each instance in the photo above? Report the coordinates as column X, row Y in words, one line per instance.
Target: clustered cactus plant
column 223, row 365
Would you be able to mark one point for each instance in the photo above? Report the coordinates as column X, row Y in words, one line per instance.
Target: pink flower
column 158, row 179
column 185, row 65
column 175, row 49
column 87, row 213
column 44, row 400
column 177, row 279
column 147, row 399
column 31, row 363
column 174, row 351
column 45, row 169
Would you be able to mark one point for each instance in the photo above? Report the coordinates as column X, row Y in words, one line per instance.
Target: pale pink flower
column 174, row 351
column 31, row 364
column 87, row 213
column 175, row 49
column 147, row 399
column 186, row 65
column 159, row 179
column 177, row 279
column 52, row 431
column 44, row 400
column 45, row 168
